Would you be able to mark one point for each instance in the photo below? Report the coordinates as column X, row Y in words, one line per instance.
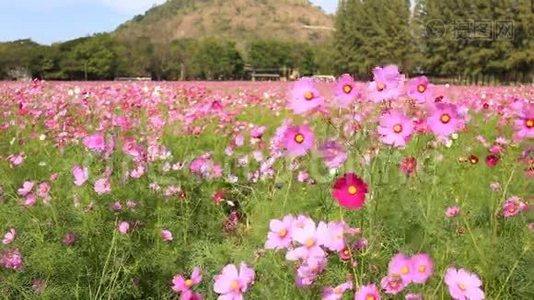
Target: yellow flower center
column 421, row 269
column 370, row 297
column 353, row 190
column 530, row 123
column 421, row 88
column 405, row 270
column 309, row 243
column 346, row 252
column 189, row 283
column 234, row 286
column 283, row 233
column 347, row 89
column 462, row 286
column 308, row 96
column 380, row 86
column 299, row 138
column 397, row 128
column 445, row 118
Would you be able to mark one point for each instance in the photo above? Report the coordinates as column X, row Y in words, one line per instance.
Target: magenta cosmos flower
column 420, row 90
column 349, row 191
column 298, row 140
column 180, row 284
column 280, row 235
column 367, row 292
column 445, row 120
column 463, row 284
column 395, row 128
column 333, row 154
column 524, row 123
column 304, row 97
column 231, row 283
column 345, row 91
column 387, row 84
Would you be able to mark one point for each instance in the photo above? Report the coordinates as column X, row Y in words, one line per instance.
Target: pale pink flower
column 27, row 187
column 166, row 235
column 123, row 227
column 80, row 174
column 463, row 285
column 337, row 292
column 452, row 211
column 367, row 292
column 231, row 283
column 102, row 186
column 9, row 237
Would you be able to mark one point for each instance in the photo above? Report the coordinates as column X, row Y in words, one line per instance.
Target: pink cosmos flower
column 30, row 199
column 513, row 206
column 80, row 174
column 9, row 237
column 367, row 292
column 180, row 284
column 43, row 189
column 422, row 268
column 190, row 295
column 395, row 128
column 280, row 235
column 123, row 227
column 345, row 91
column 310, row 240
column 304, row 97
column 445, row 120
column 11, row 259
column 16, row 160
column 524, row 123
column 102, row 186
column 333, row 154
column 309, row 270
column 298, row 140
column 95, row 142
column 337, row 292
column 387, row 85
column 413, row 296
column 420, row 90
column 231, row 283
column 333, row 235
column 166, row 235
column 452, row 211
column 401, row 265
column 463, row 284
column 27, row 187
column 393, row 284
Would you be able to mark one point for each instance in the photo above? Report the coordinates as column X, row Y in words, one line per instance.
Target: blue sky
column 47, row 21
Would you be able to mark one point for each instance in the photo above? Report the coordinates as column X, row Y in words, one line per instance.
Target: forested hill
column 237, row 20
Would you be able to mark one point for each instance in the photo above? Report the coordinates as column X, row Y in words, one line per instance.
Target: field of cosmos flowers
column 391, row 189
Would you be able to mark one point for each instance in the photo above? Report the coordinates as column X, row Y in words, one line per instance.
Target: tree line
column 475, row 39
column 104, row 57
